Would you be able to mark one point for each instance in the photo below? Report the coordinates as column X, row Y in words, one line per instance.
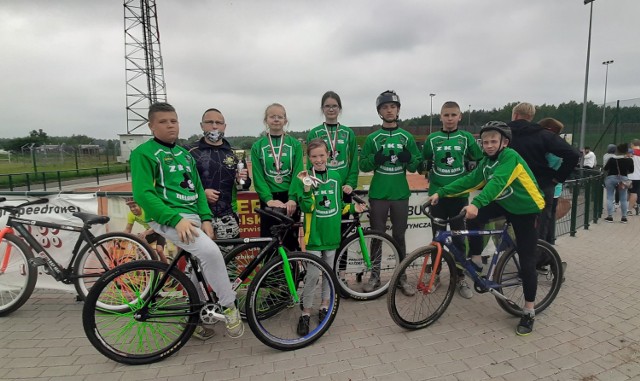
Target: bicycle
column 163, row 306
column 19, row 267
column 432, row 271
column 363, row 253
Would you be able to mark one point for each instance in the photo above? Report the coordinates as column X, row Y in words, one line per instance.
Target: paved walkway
column 591, row 332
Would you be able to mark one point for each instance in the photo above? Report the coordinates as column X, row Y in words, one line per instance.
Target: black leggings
column 291, row 239
column 524, row 226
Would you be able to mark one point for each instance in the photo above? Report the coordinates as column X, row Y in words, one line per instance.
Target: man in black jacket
column 533, row 142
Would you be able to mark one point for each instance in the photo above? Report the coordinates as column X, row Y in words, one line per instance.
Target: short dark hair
column 159, row 107
column 622, row 148
column 316, row 143
column 332, row 95
column 211, row 109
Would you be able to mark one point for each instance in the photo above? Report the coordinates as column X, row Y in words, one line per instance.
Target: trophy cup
column 240, row 157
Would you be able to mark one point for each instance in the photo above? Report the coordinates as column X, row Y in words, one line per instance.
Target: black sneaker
column 303, row 325
column 322, row 314
column 609, row 219
column 624, row 220
column 525, row 327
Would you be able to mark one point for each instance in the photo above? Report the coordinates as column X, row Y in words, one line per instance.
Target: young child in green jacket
column 508, row 189
column 322, row 205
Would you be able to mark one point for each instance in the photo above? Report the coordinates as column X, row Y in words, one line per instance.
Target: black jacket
column 533, row 142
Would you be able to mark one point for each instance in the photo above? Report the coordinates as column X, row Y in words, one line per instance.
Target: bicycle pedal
column 37, row 262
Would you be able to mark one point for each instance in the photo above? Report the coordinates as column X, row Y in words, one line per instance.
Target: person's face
column 213, row 120
column 135, row 209
column 331, row 109
column 389, row 112
column 492, row 142
column 276, row 118
column 318, row 157
column 450, row 117
column 165, row 126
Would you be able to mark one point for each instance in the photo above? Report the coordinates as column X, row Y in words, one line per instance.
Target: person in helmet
column 510, row 190
column 389, row 152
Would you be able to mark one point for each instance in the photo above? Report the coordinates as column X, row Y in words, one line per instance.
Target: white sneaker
column 233, row 322
column 464, row 290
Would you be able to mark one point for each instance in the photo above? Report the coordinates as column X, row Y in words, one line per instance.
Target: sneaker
column 525, row 327
column 233, row 322
column 464, row 290
column 624, row 220
column 637, row 208
column 407, row 289
column 372, row 284
column 322, row 314
column 629, row 213
column 203, row 333
column 303, row 325
column 609, row 219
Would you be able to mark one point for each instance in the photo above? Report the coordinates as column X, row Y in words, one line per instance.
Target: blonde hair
column 266, row 112
column 551, row 124
column 525, row 109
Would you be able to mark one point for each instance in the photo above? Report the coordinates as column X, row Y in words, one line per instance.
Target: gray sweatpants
column 313, row 273
column 209, row 256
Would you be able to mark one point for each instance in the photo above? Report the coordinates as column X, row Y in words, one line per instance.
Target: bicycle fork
column 7, row 253
column 363, row 247
column 288, row 276
column 435, row 266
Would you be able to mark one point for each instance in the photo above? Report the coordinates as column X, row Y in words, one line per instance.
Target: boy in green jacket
column 166, row 184
column 390, row 153
column 509, row 189
column 445, row 153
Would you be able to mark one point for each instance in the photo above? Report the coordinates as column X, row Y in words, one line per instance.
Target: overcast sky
column 63, row 67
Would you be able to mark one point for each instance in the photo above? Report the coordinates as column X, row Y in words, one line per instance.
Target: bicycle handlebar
column 440, row 221
column 13, row 210
column 357, row 199
column 279, row 214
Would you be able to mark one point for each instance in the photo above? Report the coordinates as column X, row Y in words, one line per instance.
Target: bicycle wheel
column 427, row 305
column 115, row 249
column 237, row 260
column 272, row 312
column 507, row 274
column 352, row 272
column 17, row 276
column 141, row 335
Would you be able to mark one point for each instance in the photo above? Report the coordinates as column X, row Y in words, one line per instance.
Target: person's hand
column 302, row 175
column 187, row 230
column 434, row 199
column 243, row 174
column 347, row 189
column 360, row 207
column 291, row 207
column 212, row 195
column 207, row 228
column 276, row 204
column 472, row 212
column 379, row 158
column 404, row 156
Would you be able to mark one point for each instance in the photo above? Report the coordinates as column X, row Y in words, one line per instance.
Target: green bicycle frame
column 287, row 274
column 363, row 248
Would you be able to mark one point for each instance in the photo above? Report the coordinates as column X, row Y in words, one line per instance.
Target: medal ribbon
column 332, row 142
column 276, row 160
column 316, row 179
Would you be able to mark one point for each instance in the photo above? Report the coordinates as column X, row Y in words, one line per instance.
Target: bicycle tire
column 236, row 260
column 119, row 335
column 549, row 282
column 351, row 270
column 115, row 249
column 17, row 276
column 424, row 308
column 273, row 314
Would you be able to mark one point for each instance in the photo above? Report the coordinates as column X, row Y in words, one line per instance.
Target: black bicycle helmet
column 388, row 96
column 501, row 127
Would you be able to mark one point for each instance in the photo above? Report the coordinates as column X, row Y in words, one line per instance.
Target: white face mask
column 213, row 136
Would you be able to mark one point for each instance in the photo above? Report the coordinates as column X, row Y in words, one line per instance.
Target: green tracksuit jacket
column 389, row 178
column 345, row 146
column 165, row 183
column 263, row 167
column 506, row 180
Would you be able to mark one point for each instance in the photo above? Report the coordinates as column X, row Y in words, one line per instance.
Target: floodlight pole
column 604, row 103
column 431, row 113
column 583, row 126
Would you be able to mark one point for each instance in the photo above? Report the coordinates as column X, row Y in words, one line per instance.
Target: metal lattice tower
column 143, row 61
